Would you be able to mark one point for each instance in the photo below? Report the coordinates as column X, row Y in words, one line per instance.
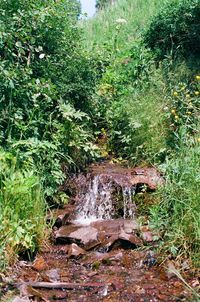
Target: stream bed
column 98, row 250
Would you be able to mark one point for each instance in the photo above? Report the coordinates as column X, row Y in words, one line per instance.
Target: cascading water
column 104, row 198
column 129, row 206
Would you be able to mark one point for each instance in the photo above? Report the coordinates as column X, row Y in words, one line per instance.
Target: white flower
column 121, row 21
column 42, row 55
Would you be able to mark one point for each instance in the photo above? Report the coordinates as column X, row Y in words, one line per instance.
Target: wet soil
column 121, row 275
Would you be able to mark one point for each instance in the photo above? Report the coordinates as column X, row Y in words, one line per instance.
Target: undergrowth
column 22, row 210
column 178, row 210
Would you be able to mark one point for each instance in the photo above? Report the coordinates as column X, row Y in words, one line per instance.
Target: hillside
column 149, row 103
column 122, row 88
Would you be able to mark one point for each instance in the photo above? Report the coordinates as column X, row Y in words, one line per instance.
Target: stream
column 98, row 250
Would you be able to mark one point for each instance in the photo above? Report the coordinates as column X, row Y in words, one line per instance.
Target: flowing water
column 104, row 199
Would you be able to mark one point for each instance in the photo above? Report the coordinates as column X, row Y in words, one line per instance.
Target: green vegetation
column 22, row 209
column 176, row 29
column 117, row 26
column 46, row 83
column 132, row 73
column 149, row 103
column 177, row 214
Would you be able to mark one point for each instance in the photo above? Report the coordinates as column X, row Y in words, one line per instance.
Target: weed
column 22, row 210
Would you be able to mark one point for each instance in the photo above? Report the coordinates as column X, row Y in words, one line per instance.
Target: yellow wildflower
column 198, row 139
column 175, row 93
column 187, row 95
column 173, row 111
column 176, row 117
column 197, row 77
column 189, row 112
column 196, row 93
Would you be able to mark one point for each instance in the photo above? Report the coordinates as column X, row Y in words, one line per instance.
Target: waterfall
column 104, row 199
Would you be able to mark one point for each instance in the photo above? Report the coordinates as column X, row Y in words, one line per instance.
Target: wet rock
column 61, row 220
column 117, row 242
column 147, row 236
column 106, row 234
column 120, row 240
column 120, row 185
column 139, row 290
column 115, row 225
column 63, row 234
column 130, row 226
column 107, row 258
column 124, row 176
column 52, row 275
column 150, row 261
column 108, row 226
column 104, row 291
column 39, row 264
column 149, row 176
column 60, row 296
column 86, row 236
column 75, row 250
column 18, row 299
column 133, row 239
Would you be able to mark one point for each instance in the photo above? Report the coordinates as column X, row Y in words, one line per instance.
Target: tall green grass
column 178, row 210
column 137, row 125
column 106, row 31
column 21, row 210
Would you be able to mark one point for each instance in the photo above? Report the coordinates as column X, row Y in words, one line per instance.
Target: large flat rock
column 85, row 236
column 108, row 234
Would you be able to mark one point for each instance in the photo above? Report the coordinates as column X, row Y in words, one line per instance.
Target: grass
column 142, row 134
column 21, row 210
column 136, row 94
column 105, row 31
column 178, row 209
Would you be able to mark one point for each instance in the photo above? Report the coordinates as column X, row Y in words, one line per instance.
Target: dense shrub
column 182, row 113
column 176, row 29
column 46, row 82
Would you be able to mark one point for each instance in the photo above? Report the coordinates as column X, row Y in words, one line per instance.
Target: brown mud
column 107, row 260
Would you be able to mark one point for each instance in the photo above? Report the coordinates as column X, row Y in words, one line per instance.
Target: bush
column 46, row 83
column 176, row 29
column 182, row 113
column 22, row 210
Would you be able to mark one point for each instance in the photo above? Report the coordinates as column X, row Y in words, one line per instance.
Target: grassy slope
column 102, row 30
column 144, row 105
column 178, row 207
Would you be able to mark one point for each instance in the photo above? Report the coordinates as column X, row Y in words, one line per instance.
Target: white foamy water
column 99, row 202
